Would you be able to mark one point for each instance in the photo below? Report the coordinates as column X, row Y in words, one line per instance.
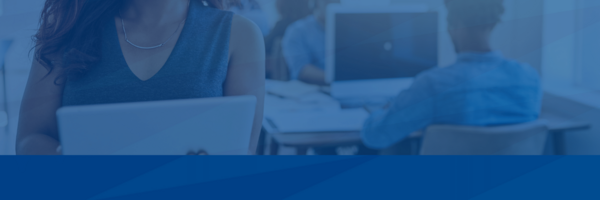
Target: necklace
column 152, row 47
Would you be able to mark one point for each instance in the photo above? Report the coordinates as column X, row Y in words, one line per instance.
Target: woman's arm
column 312, row 75
column 38, row 132
column 246, row 75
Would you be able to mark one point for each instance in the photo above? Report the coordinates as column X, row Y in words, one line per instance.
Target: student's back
column 481, row 89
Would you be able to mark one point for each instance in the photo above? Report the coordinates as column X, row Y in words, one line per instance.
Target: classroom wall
column 570, row 69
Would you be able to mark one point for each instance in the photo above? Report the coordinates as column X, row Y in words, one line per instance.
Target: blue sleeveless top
column 196, row 68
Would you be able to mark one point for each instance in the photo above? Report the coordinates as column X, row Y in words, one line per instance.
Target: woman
column 114, row 51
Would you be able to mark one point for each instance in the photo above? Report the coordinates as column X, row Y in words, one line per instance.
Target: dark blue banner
column 317, row 177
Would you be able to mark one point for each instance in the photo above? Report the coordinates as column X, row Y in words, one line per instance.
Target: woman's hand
column 200, row 152
column 38, row 144
column 59, row 150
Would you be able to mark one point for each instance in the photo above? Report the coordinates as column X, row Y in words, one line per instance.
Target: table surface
column 556, row 123
column 559, row 123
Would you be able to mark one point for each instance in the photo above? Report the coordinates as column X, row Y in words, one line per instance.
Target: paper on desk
column 316, row 102
column 273, row 83
column 331, row 121
column 292, row 89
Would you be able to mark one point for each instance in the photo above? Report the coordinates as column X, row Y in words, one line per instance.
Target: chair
column 4, row 45
column 4, row 141
column 521, row 139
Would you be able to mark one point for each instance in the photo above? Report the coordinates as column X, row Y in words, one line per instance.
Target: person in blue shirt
column 481, row 89
column 304, row 45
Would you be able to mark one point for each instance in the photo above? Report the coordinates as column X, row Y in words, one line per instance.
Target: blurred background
column 560, row 38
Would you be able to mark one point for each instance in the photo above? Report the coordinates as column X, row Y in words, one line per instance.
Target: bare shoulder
column 243, row 26
column 245, row 34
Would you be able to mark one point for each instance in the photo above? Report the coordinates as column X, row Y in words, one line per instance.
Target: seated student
column 289, row 12
column 481, row 89
column 304, row 45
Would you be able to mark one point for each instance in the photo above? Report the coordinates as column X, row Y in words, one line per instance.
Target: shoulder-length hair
column 69, row 33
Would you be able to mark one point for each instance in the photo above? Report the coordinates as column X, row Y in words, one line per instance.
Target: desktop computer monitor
column 375, row 52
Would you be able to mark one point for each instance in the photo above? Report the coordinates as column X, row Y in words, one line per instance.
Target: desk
column 303, row 141
column 557, row 126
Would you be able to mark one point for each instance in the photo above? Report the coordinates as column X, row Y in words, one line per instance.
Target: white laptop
column 374, row 52
column 219, row 126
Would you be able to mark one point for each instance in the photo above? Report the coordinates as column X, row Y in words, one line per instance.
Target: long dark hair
column 69, row 34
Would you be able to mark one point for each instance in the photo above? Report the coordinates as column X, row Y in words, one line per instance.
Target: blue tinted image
column 299, row 77
column 170, row 99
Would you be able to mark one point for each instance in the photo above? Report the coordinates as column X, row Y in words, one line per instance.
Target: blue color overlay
column 325, row 177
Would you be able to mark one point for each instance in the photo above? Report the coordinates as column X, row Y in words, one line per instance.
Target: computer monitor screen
column 384, row 45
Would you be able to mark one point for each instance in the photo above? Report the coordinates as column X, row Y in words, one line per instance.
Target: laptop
column 217, row 126
column 374, row 52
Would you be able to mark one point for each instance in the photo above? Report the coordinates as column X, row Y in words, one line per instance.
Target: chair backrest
column 521, row 139
column 4, row 45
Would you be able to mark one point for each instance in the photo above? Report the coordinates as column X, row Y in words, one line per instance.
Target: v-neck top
column 196, row 68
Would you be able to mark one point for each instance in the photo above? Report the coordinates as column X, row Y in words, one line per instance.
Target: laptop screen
column 384, row 45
